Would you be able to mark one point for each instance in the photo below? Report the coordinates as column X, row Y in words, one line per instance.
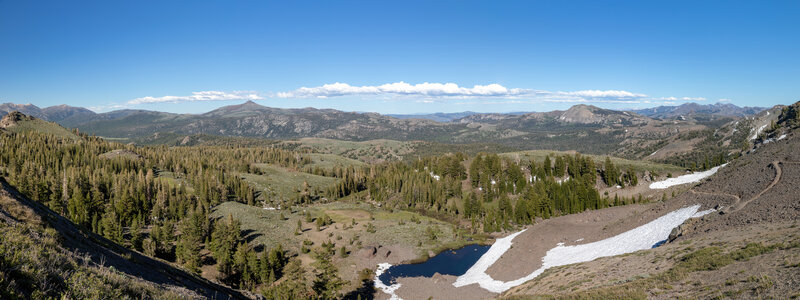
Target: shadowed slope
column 101, row 249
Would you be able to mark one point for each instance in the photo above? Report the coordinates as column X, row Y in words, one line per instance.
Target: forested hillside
column 160, row 200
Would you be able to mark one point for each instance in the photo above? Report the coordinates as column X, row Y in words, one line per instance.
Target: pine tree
column 327, row 283
column 547, row 166
column 224, row 239
column 111, row 226
column 193, row 233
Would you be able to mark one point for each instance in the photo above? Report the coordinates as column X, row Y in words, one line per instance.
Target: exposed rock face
column 580, row 114
column 13, row 118
column 676, row 232
column 684, row 228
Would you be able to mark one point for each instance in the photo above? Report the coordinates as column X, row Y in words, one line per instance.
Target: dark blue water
column 450, row 262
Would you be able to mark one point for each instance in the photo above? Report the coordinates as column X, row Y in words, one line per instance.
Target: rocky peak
column 580, row 113
column 13, row 118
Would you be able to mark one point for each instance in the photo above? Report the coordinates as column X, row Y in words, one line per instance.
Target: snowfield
column 684, row 179
column 639, row 238
column 388, row 289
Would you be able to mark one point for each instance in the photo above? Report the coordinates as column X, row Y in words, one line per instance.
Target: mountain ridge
column 717, row 109
column 585, row 128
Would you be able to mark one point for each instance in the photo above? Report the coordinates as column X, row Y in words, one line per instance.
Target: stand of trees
column 501, row 192
column 126, row 198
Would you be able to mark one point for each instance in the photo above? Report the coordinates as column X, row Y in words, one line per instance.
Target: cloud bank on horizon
column 444, row 91
column 426, row 92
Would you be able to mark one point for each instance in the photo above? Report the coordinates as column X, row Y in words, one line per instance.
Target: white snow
column 494, row 182
column 477, row 273
column 269, row 208
column 783, row 136
column 758, row 131
column 388, row 289
column 639, row 238
column 689, row 178
column 654, row 153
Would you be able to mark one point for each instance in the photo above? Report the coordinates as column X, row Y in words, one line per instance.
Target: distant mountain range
column 444, row 117
column 584, row 128
column 688, row 109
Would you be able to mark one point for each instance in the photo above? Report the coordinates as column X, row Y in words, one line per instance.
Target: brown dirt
column 437, row 287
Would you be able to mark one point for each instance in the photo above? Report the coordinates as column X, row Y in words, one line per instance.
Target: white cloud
column 724, row 100
column 434, row 92
column 427, row 92
column 605, row 94
column 426, row 89
column 688, row 99
column 108, row 107
column 199, row 96
column 693, row 99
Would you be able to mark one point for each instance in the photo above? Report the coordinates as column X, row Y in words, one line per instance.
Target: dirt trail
column 775, row 164
column 716, row 194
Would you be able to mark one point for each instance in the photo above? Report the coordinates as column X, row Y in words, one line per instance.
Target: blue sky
column 488, row 56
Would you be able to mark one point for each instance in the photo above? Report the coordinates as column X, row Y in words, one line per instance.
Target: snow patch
column 639, row 238
column 388, row 289
column 689, row 178
column 758, row 131
column 477, row 273
column 783, row 136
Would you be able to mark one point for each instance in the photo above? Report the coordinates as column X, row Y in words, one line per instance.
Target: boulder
column 369, row 251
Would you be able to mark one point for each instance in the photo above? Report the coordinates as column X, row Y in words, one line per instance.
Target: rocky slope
column 748, row 248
